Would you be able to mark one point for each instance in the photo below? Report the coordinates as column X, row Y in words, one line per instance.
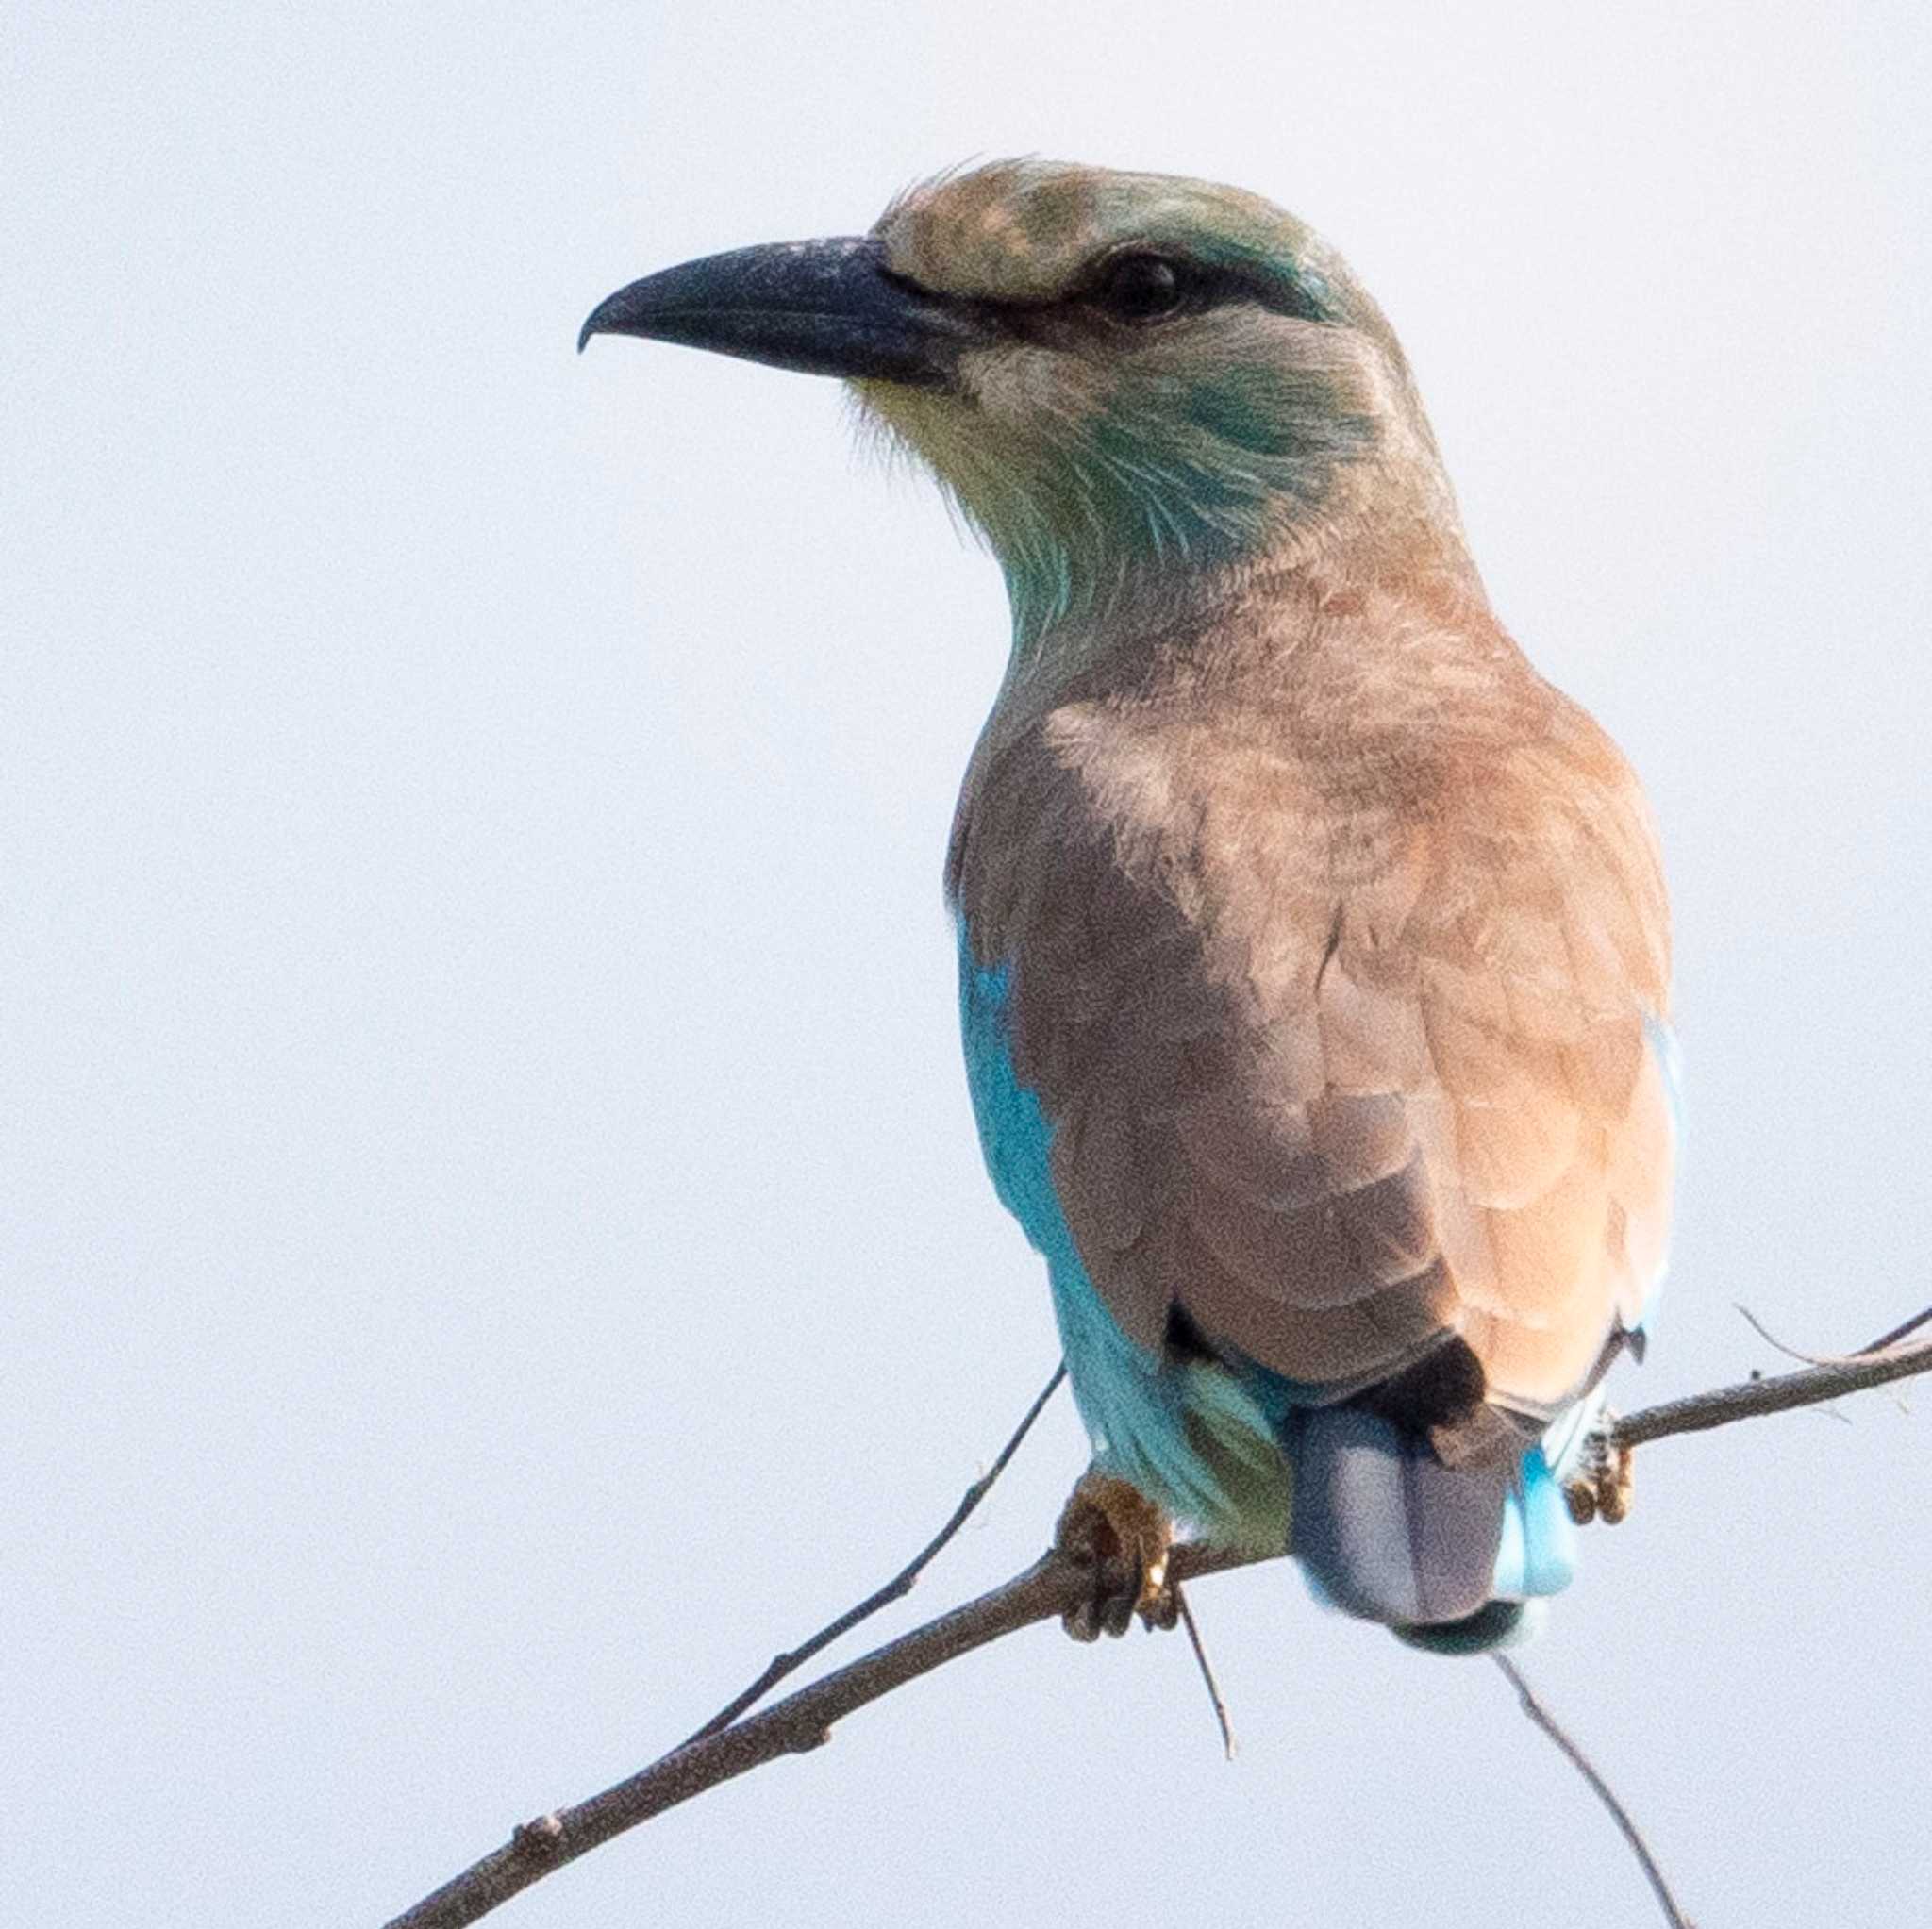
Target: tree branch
column 1776, row 1394
column 798, row 1723
column 804, row 1720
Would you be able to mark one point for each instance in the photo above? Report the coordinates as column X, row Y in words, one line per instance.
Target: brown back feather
column 1333, row 930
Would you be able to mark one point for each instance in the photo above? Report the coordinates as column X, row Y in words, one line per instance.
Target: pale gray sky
column 492, row 1235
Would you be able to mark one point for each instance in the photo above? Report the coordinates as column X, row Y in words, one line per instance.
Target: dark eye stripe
column 1125, row 286
column 1285, row 294
column 1206, row 285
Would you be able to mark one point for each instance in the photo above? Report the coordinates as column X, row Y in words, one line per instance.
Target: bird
column 1313, row 950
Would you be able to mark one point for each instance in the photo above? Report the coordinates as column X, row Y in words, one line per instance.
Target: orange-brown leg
column 1601, row 1487
column 1111, row 1529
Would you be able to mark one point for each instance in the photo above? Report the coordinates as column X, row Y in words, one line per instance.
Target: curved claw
column 1602, row 1486
column 1111, row 1528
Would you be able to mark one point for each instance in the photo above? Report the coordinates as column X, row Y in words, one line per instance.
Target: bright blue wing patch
column 1137, row 1411
column 1669, row 1061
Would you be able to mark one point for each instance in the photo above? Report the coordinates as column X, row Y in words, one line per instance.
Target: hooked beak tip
column 598, row 322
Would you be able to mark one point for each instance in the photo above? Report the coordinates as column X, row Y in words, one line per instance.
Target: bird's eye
column 1141, row 288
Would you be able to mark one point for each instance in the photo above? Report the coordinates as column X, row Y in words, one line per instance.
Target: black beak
column 823, row 307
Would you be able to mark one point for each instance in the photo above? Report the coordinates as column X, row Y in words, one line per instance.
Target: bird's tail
column 1453, row 1558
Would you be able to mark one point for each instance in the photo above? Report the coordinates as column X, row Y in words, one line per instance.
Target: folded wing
column 1338, row 1069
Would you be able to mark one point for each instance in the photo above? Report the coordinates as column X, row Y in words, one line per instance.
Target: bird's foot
column 1112, row 1530
column 1601, row 1487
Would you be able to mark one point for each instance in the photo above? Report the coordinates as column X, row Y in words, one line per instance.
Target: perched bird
column 1314, row 951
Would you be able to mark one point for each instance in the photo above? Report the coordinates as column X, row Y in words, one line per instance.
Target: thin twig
column 1778, row 1345
column 1045, row 1591
column 1207, row 1668
column 1587, row 1768
column 1884, row 1343
column 1900, row 1332
column 896, row 1589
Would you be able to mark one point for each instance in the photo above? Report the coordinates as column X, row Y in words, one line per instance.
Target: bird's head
column 1127, row 381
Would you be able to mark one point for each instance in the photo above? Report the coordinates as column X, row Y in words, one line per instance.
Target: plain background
column 493, row 1238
